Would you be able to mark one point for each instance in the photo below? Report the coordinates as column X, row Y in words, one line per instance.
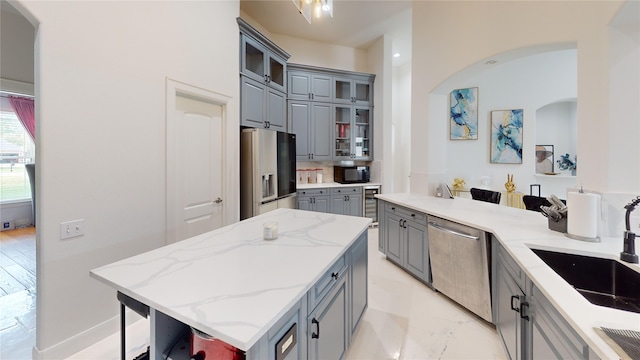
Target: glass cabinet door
column 343, row 131
column 277, row 73
column 342, row 91
column 253, row 57
column 362, row 133
column 362, row 92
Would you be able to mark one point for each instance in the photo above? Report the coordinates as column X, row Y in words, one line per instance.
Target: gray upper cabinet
column 309, row 86
column 350, row 135
column 353, row 132
column 311, row 122
column 263, row 81
column 262, row 64
column 357, row 90
column 262, row 106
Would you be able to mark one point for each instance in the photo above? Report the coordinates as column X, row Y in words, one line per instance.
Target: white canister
column 319, row 176
column 270, row 230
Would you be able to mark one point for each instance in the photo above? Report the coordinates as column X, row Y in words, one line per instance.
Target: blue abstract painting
column 464, row 114
column 506, row 136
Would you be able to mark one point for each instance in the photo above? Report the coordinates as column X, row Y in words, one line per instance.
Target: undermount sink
column 603, row 282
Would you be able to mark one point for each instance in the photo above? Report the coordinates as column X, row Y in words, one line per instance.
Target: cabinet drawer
column 352, row 190
column 326, row 282
column 313, row 192
column 406, row 213
column 512, row 268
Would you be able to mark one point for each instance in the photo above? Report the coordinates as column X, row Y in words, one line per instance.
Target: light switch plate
column 71, row 229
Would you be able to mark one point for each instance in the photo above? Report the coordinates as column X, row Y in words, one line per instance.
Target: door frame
column 174, row 89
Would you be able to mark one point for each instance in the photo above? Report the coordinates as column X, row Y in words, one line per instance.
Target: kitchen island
column 515, row 232
column 233, row 285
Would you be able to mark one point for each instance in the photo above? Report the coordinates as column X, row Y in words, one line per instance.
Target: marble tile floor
column 405, row 320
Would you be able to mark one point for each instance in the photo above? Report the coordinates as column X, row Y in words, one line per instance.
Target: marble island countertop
column 519, row 231
column 230, row 283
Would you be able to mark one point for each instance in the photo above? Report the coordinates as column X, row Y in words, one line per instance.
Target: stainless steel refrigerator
column 267, row 171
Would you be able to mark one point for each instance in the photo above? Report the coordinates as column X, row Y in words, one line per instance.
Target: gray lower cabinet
column 508, row 298
column 551, row 336
column 527, row 323
column 322, row 323
column 262, row 106
column 337, row 303
column 347, row 201
column 358, row 281
column 406, row 241
column 342, row 200
column 312, row 124
column 314, row 200
column 327, row 324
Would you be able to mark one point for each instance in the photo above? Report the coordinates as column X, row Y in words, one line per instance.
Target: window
column 16, row 150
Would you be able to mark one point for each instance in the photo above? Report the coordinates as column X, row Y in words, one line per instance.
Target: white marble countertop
column 332, row 185
column 519, row 231
column 230, row 283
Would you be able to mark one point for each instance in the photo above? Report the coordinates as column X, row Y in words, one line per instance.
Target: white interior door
column 195, row 138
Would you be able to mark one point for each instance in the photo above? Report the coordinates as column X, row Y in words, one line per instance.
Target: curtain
column 24, row 109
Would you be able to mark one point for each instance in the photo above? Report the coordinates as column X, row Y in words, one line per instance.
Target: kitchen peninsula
column 252, row 293
column 553, row 319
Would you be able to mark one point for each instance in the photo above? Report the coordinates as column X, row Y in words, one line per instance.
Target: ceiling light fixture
column 314, row 7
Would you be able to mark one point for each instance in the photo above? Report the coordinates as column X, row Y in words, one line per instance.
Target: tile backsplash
column 325, row 169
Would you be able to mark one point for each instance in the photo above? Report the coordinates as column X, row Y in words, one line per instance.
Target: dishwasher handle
column 470, row 237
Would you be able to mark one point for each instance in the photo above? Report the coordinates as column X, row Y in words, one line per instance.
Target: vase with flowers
column 565, row 163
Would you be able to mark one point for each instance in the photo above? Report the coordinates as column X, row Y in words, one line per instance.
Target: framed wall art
column 544, row 159
column 463, row 114
column 506, row 136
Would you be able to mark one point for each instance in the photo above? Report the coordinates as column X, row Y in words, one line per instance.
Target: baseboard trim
column 87, row 338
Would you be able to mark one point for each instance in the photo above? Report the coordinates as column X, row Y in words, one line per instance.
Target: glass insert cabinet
column 352, row 132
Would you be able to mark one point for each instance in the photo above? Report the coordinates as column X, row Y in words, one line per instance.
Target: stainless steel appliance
column 267, row 171
column 351, row 174
column 370, row 203
column 460, row 264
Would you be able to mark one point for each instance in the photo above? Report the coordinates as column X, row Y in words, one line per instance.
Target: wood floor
column 17, row 261
column 17, row 293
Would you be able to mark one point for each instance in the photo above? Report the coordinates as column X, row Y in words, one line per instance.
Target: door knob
column 217, row 201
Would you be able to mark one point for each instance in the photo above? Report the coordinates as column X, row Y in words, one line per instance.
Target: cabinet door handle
column 313, row 96
column 348, row 198
column 311, row 156
column 309, row 96
column 400, row 223
column 522, row 315
column 514, row 308
column 393, row 208
column 314, row 335
column 404, row 224
column 344, row 198
column 334, row 276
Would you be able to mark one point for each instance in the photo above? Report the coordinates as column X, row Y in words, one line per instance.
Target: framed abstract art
column 463, row 114
column 506, row 136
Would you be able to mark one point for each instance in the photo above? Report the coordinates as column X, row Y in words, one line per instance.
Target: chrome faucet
column 628, row 253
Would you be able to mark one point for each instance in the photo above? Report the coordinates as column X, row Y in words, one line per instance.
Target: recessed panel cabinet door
column 322, row 124
column 253, row 106
column 417, row 251
column 508, row 322
column 276, row 110
column 394, row 234
column 327, row 325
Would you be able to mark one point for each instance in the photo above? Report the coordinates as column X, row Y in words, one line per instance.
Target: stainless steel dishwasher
column 460, row 262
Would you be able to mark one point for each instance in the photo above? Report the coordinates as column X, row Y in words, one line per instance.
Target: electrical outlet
column 8, row 225
column 71, row 229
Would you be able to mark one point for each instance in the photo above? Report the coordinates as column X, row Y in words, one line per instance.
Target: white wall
column 485, row 29
column 401, row 128
column 16, row 59
column 527, row 83
column 100, row 78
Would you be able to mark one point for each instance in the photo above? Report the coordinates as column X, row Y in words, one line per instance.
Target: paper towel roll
column 582, row 219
